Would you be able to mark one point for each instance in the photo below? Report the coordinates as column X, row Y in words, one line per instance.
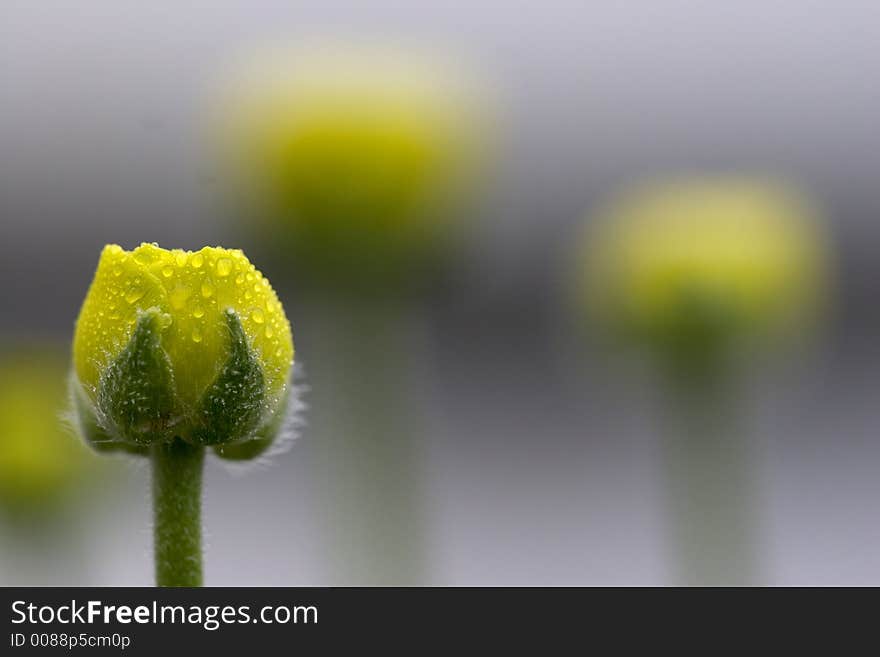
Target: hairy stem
column 177, row 510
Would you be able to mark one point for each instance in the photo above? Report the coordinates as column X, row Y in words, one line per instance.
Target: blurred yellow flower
column 357, row 153
column 40, row 462
column 706, row 258
column 197, row 326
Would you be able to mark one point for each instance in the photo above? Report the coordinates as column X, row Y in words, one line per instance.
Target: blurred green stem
column 709, row 475
column 359, row 371
column 177, row 508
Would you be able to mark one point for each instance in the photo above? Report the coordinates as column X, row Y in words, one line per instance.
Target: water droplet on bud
column 178, row 296
column 224, row 266
column 134, row 294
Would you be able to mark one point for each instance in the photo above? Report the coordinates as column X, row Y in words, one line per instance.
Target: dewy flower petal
column 166, row 338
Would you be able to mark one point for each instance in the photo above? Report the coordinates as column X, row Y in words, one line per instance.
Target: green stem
column 709, row 478
column 367, row 451
column 177, row 508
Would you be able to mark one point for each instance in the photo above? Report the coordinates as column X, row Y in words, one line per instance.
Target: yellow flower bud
column 702, row 259
column 162, row 336
column 356, row 153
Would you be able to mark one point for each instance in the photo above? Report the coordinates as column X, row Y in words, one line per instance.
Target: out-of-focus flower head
column 184, row 344
column 41, row 464
column 698, row 262
column 356, row 156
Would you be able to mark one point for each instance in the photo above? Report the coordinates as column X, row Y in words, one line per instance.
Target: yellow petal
column 192, row 290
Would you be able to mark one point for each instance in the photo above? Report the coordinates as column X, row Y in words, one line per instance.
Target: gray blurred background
column 540, row 460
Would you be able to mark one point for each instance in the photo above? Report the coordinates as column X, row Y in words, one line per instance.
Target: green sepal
column 262, row 440
column 702, row 336
column 136, row 391
column 232, row 407
column 90, row 429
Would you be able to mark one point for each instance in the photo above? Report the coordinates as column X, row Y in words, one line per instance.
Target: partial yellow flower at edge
column 40, row 463
column 751, row 250
column 192, row 290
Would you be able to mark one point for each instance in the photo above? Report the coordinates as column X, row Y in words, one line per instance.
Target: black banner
column 269, row 621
